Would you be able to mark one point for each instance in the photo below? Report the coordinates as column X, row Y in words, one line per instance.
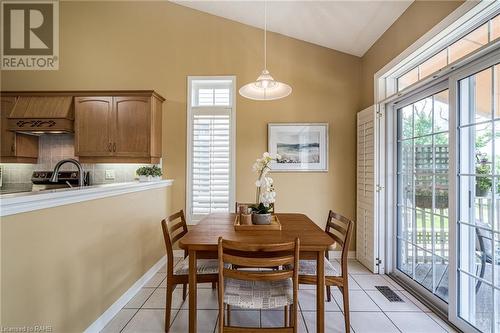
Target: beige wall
column 156, row 45
column 65, row 266
column 127, row 45
column 419, row 18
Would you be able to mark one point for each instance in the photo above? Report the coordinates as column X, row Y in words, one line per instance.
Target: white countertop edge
column 30, row 201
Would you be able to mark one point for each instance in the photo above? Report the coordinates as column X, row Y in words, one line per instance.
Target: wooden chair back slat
column 258, row 262
column 340, row 217
column 340, row 228
column 175, row 216
column 175, row 226
column 177, row 237
column 241, row 274
column 248, row 247
column 336, row 238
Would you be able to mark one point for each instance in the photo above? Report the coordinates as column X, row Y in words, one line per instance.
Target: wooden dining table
column 201, row 243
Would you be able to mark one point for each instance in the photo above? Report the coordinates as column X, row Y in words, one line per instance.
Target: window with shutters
column 211, row 143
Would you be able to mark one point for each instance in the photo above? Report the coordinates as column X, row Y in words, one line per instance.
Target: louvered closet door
column 211, row 169
column 366, row 231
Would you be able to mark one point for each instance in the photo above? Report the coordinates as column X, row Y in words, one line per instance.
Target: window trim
column 459, row 23
column 189, row 141
column 449, row 41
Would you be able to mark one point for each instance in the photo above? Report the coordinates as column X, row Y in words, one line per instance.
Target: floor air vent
column 389, row 294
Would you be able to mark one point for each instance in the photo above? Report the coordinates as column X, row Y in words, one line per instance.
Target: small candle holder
column 246, row 219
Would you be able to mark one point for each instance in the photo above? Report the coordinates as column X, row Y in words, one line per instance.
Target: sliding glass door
column 447, row 227
column 422, row 190
column 478, row 234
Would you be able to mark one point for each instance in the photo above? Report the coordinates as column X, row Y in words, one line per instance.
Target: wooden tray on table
column 275, row 225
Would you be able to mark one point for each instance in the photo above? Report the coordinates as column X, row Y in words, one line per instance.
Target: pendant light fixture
column 265, row 88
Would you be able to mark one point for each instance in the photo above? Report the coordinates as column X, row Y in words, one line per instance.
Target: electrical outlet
column 110, row 175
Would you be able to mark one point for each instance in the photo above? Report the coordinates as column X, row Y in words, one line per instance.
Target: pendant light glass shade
column 265, row 88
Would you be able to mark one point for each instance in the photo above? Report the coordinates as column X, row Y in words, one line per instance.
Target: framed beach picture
column 302, row 146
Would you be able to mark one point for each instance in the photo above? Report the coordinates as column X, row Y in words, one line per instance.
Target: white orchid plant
column 266, row 195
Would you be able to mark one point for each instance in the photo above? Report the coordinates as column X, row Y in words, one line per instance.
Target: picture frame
column 303, row 147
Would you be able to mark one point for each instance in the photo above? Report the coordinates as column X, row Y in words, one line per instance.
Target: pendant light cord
column 265, row 35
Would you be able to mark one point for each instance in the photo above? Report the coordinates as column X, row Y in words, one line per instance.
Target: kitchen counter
column 100, row 252
column 14, row 203
column 15, row 188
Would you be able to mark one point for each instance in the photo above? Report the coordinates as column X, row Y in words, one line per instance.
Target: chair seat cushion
column 258, row 294
column 205, row 266
column 308, row 267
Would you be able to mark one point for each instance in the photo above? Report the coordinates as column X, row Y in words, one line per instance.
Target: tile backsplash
column 16, row 173
column 52, row 149
column 55, row 147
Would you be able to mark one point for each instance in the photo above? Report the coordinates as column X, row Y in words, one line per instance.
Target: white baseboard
column 110, row 313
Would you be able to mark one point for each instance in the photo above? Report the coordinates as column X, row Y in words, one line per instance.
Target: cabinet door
column 132, row 126
column 93, row 126
column 8, row 144
column 16, row 147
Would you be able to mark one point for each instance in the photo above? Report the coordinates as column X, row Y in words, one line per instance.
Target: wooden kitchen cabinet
column 15, row 147
column 119, row 129
column 132, row 126
column 93, row 123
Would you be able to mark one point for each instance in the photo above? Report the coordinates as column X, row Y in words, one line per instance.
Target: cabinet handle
column 12, row 148
column 109, row 146
column 114, row 146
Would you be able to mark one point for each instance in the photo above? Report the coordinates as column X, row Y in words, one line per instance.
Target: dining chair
column 339, row 228
column 484, row 250
column 257, row 285
column 237, row 204
column 174, row 228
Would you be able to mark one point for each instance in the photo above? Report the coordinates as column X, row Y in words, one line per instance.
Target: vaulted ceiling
column 347, row 26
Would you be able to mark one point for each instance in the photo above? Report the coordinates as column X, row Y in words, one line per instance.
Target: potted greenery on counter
column 149, row 173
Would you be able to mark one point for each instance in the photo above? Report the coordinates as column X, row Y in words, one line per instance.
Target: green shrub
column 483, row 183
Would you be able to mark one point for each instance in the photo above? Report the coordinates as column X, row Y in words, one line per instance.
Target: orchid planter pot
column 261, row 219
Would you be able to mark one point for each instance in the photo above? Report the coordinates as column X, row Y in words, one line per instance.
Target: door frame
column 392, row 189
column 472, row 68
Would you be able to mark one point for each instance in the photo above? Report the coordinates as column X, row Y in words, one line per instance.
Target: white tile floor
column 370, row 311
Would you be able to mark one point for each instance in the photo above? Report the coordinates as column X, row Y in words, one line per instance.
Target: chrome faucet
column 55, row 174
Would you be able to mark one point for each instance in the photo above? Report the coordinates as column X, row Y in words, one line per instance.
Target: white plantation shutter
column 210, row 148
column 366, row 233
column 213, row 96
column 210, row 161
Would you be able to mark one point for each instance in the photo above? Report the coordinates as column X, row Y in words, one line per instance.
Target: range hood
column 42, row 115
